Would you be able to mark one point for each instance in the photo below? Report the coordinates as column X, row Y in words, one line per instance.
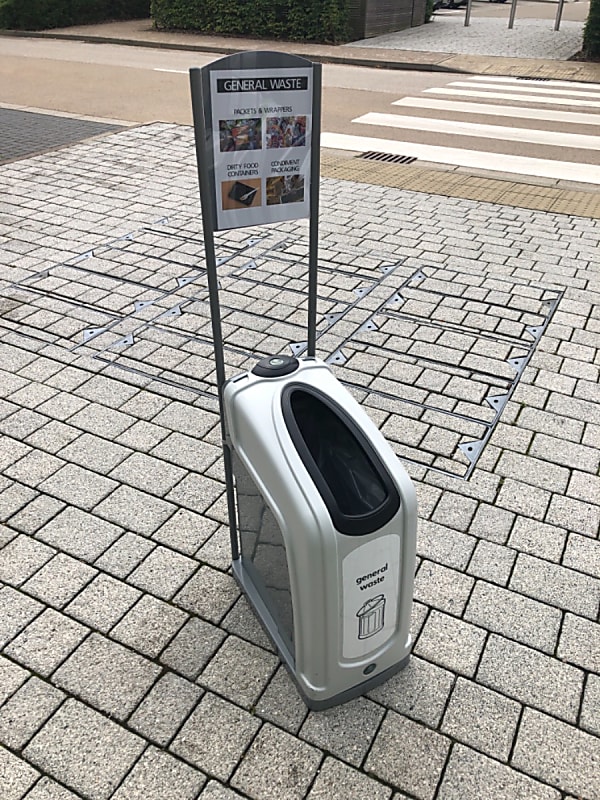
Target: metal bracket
column 337, row 358
column 91, row 333
column 369, row 325
column 472, row 450
column 497, row 402
column 139, row 305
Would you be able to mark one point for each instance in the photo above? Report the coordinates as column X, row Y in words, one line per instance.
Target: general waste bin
column 326, row 520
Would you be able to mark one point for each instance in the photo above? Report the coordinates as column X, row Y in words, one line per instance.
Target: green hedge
column 308, row 20
column 591, row 32
column 34, row 15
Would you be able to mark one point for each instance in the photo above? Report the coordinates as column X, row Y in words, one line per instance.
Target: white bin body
column 337, row 605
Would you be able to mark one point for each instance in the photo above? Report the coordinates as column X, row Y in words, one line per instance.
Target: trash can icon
column 371, row 617
column 326, row 518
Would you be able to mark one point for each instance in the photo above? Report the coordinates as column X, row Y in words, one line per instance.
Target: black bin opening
column 351, row 478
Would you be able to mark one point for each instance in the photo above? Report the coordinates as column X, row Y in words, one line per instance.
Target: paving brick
column 196, row 492
column 91, row 451
column 101, row 421
column 134, row 510
column 79, row 534
column 185, row 531
column 451, row 643
column 558, row 754
column 280, row 703
column 59, row 580
column 419, row 691
column 557, row 451
column 515, row 616
column 16, row 776
column 492, row 562
column 108, row 676
column 482, row 719
column 103, row 602
column 142, row 436
column 532, row 471
column 424, row 754
column 574, row 515
column 11, row 451
column 216, row 791
column 538, row 539
column 590, row 709
column 163, row 572
column 522, row 498
column 553, row 424
column 239, row 671
column 346, row 731
column 242, row 621
column 84, row 750
column 277, row 763
column 21, row 558
column 215, row 736
column 209, row 593
column 455, row 511
column 101, row 389
column 582, row 554
column 47, row 789
column 165, row 708
column 444, row 545
column 46, row 642
column 442, row 588
column 584, row 486
column 22, row 423
column 336, row 779
column 125, row 554
column 492, row 523
column 53, row 436
column 472, row 775
column 159, row 776
column 18, row 610
column 78, row 486
column 580, row 642
column 12, row 676
column 187, row 452
column 556, row 585
column 217, row 550
column 34, row 468
column 13, row 498
column 193, row 647
column 149, row 626
column 62, row 406
column 149, row 474
column 186, row 419
column 531, row 678
column 26, row 712
column 36, row 514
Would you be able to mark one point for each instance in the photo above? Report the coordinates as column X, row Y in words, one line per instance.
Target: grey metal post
column 203, row 155
column 513, row 11
column 468, row 13
column 313, row 244
column 559, row 12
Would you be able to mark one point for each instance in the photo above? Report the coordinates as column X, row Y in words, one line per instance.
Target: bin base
column 270, row 626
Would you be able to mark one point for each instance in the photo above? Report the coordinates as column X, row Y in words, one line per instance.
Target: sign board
column 259, row 120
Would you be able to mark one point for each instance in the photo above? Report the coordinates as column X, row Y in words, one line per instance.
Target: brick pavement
column 130, row 665
column 26, row 133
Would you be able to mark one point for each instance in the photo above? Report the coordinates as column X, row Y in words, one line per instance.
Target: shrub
column 33, row 15
column 591, row 32
column 313, row 20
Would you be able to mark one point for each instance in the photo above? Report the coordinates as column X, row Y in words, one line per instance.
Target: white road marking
column 521, row 82
column 520, row 165
column 177, row 71
column 556, row 101
column 478, row 130
column 455, row 106
column 533, row 89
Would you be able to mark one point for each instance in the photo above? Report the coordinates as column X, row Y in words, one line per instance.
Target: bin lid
column 275, row 366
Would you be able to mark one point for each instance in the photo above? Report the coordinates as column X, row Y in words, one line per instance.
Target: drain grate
column 525, row 78
column 372, row 155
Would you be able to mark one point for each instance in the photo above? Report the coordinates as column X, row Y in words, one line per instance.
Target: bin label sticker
column 261, row 145
column 370, row 581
